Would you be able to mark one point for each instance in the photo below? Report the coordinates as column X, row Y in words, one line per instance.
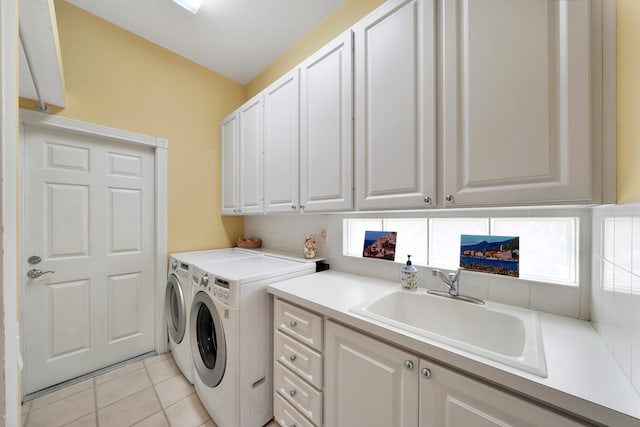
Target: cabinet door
column 368, row 383
column 281, row 144
column 229, row 165
column 250, row 155
column 326, row 128
column 449, row 399
column 516, row 101
column 395, row 111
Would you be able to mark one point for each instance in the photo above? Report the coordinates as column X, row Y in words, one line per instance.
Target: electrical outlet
column 324, row 235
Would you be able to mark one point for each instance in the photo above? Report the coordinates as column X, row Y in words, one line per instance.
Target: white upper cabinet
column 40, row 62
column 281, row 144
column 395, row 111
column 516, row 101
column 326, row 128
column 229, row 165
column 250, row 155
column 242, row 159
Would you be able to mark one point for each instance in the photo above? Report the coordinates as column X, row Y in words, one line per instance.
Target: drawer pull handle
column 292, row 357
column 292, row 392
column 426, row 372
column 293, row 323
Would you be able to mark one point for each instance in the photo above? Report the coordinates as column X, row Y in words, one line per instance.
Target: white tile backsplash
column 615, row 288
column 551, row 298
column 286, row 232
column 508, row 291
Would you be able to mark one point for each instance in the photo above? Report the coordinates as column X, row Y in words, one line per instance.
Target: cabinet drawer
column 298, row 323
column 301, row 359
column 286, row 415
column 298, row 393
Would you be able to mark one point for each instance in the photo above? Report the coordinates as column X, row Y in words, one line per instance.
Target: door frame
column 9, row 342
column 160, row 151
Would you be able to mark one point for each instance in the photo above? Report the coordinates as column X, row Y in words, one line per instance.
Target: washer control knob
column 204, row 280
column 226, row 294
column 174, row 264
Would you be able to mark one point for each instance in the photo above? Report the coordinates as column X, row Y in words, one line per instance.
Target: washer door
column 175, row 310
column 208, row 345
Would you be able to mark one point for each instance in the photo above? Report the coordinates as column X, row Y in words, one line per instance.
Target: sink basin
column 506, row 334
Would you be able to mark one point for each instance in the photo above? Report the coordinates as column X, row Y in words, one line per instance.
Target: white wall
column 287, row 232
column 616, row 283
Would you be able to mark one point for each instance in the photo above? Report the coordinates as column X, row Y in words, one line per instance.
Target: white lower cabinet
column 298, row 366
column 450, row 399
column 371, row 383
column 286, row 415
column 368, row 383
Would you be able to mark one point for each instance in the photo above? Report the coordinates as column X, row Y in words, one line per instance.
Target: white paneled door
column 89, row 216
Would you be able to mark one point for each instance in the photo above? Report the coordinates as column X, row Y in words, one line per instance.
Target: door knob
column 34, row 273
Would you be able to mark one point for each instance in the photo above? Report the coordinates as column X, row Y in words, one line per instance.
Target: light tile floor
column 148, row 393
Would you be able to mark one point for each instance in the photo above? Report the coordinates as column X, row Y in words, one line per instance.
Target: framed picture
column 380, row 245
column 490, row 254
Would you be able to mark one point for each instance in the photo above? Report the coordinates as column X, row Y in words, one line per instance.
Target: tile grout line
column 95, row 402
column 26, row 419
column 155, row 392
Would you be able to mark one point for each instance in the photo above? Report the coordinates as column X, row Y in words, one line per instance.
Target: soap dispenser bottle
column 409, row 275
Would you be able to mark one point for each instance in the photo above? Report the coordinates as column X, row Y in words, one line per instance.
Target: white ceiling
column 236, row 38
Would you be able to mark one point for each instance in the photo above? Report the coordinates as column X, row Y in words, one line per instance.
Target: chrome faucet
column 452, row 280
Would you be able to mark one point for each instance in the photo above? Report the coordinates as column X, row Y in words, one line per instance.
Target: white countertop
column 583, row 377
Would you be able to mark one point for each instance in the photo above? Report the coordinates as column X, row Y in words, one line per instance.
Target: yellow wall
column 115, row 78
column 628, row 93
column 350, row 12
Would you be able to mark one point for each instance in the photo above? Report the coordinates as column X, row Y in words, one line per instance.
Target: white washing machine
column 178, row 297
column 231, row 327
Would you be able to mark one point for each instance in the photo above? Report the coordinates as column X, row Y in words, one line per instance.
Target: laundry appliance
column 178, row 299
column 231, row 327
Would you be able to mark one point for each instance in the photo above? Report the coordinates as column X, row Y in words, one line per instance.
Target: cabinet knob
column 293, row 207
column 292, row 392
column 427, row 200
column 449, row 198
column 426, row 372
column 293, row 357
column 293, row 323
column 408, row 364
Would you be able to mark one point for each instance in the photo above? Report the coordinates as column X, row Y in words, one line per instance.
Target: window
column 548, row 245
column 444, row 239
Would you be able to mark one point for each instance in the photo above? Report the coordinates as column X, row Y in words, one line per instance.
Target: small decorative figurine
column 310, row 246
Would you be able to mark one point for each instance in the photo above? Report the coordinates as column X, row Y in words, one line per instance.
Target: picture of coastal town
column 490, row 254
column 380, row 245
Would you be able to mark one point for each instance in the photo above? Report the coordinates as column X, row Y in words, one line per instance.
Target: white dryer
column 178, row 297
column 231, row 327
